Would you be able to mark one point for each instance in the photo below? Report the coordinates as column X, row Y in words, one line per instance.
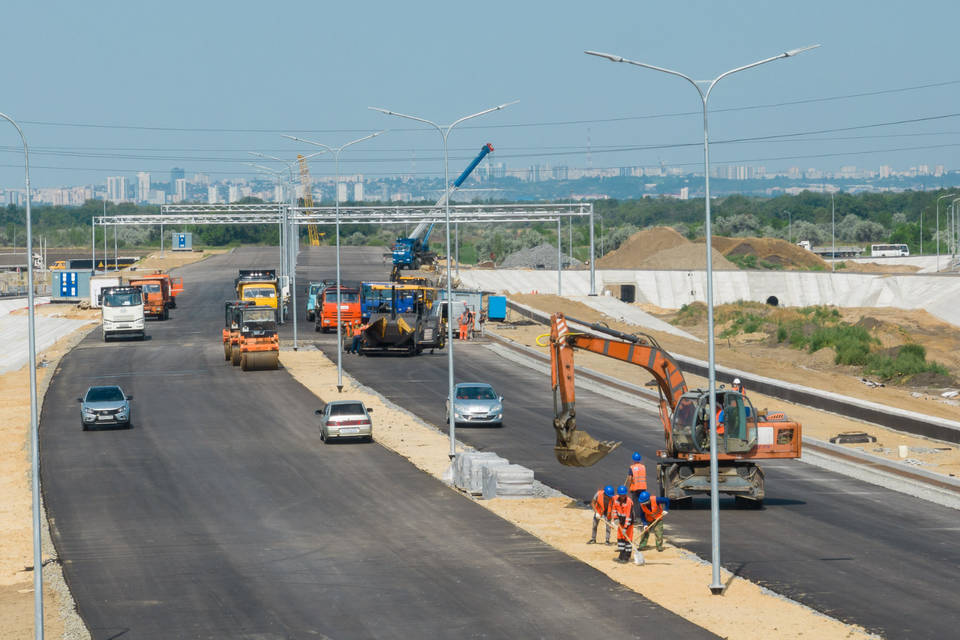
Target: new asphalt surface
column 846, row 548
column 220, row 514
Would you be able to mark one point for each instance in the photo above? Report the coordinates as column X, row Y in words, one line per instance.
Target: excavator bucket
column 581, row 450
column 259, row 360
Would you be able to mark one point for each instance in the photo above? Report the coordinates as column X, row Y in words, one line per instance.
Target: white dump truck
column 121, row 312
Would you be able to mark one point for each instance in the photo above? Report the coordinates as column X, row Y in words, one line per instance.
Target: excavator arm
column 576, row 448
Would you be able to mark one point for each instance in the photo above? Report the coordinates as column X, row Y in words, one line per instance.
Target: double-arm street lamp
column 716, row 585
column 34, row 435
column 336, row 187
column 444, row 131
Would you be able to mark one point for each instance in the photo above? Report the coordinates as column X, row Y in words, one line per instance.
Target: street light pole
column 947, row 195
column 282, row 232
column 336, row 187
column 34, row 434
column 833, row 235
column 789, row 227
column 953, row 229
column 716, row 586
column 444, row 131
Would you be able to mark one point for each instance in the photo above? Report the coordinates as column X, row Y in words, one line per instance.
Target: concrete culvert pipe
column 773, row 301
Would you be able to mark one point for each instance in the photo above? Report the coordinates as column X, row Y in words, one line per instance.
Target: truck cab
column 121, row 312
column 156, row 296
column 260, row 287
column 327, row 307
column 312, row 291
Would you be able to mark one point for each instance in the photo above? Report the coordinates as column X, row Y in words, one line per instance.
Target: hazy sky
column 197, row 84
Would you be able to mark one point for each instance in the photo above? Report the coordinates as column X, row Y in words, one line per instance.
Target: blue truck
column 414, row 250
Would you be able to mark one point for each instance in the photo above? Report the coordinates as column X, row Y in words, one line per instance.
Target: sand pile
column 688, row 256
column 773, row 250
column 640, row 246
column 543, row 256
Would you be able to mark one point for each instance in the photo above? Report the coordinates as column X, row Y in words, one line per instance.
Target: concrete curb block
column 864, row 410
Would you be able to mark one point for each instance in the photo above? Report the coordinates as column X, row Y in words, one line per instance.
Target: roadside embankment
column 674, row 579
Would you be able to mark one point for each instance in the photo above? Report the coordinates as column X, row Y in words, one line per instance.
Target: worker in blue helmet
column 636, row 477
column 652, row 510
column 601, row 505
column 622, row 515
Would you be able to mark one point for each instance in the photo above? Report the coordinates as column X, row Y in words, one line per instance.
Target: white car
column 345, row 419
column 475, row 403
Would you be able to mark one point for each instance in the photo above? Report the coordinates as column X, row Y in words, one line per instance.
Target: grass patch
column 691, row 314
column 900, row 363
column 749, row 261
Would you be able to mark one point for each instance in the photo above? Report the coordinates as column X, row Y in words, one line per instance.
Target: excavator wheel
column 582, row 450
column 235, row 356
column 260, row 360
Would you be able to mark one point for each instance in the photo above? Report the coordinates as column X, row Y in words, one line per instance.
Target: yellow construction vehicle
column 308, row 199
column 259, row 286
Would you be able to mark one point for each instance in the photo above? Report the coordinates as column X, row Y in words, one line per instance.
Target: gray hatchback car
column 476, row 403
column 105, row 406
column 345, row 419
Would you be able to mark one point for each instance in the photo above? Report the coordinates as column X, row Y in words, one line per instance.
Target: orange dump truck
column 157, row 299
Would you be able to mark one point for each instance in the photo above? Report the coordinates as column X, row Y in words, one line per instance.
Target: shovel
column 637, row 554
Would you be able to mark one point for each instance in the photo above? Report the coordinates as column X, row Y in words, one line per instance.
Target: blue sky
column 232, row 75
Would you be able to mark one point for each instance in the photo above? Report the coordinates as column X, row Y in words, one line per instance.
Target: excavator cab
column 736, row 424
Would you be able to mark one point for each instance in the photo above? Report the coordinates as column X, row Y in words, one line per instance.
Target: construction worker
column 636, row 477
column 462, row 322
column 482, row 320
column 652, row 510
column 738, row 387
column 471, row 318
column 357, row 331
column 601, row 505
column 622, row 514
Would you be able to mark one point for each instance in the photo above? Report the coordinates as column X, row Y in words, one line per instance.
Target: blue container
column 182, row 241
column 70, row 286
column 497, row 307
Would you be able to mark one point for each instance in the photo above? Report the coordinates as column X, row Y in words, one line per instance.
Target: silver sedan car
column 476, row 403
column 345, row 419
column 105, row 406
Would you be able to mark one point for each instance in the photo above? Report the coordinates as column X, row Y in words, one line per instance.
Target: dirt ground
column 673, row 579
column 773, row 250
column 874, row 267
column 816, row 370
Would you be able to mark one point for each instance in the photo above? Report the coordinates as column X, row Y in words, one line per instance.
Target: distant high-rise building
column 117, row 188
column 200, row 178
column 180, row 190
column 175, row 174
column 358, row 192
column 233, row 193
column 938, row 170
column 342, row 191
column 213, row 196
column 143, row 186
column 923, row 170
column 885, row 171
column 794, row 172
column 278, row 193
column 684, row 193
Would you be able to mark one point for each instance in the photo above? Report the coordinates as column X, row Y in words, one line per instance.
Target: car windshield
column 351, row 409
column 122, row 299
column 476, row 393
column 259, row 292
column 258, row 315
column 104, row 394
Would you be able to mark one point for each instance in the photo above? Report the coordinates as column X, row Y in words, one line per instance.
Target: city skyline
column 875, row 93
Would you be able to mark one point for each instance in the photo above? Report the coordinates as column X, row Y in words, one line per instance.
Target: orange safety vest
column 638, row 477
column 601, row 502
column 738, row 388
column 719, row 422
column 357, row 330
column 621, row 509
column 654, row 511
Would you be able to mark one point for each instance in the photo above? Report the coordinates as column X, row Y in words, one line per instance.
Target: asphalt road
column 858, row 552
column 222, row 515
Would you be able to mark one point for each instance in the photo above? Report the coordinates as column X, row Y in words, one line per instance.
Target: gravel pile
column 542, row 256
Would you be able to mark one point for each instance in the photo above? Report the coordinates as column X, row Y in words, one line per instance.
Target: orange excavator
column 743, row 434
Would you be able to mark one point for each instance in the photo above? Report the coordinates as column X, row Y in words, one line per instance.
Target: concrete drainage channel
column 936, row 488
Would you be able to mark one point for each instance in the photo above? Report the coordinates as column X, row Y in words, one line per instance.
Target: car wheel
column 369, row 438
column 85, row 427
column 499, row 425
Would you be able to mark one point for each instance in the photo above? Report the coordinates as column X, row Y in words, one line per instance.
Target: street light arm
column 785, row 54
column 353, row 142
column 326, row 148
column 407, row 116
column 615, row 58
column 480, row 113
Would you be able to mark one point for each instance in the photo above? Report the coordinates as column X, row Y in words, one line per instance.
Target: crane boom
column 312, row 231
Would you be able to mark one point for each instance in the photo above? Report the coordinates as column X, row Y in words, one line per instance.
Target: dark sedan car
column 105, row 406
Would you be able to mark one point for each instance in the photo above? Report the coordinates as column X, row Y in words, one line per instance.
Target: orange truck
column 349, row 308
column 157, row 298
column 176, row 285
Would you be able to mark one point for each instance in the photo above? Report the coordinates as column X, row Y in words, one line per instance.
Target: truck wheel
column 143, row 336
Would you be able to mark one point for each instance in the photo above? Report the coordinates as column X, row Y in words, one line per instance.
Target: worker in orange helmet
column 652, row 510
column 601, row 505
column 622, row 515
column 636, row 477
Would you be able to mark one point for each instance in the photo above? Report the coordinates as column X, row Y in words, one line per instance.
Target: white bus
column 889, row 250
